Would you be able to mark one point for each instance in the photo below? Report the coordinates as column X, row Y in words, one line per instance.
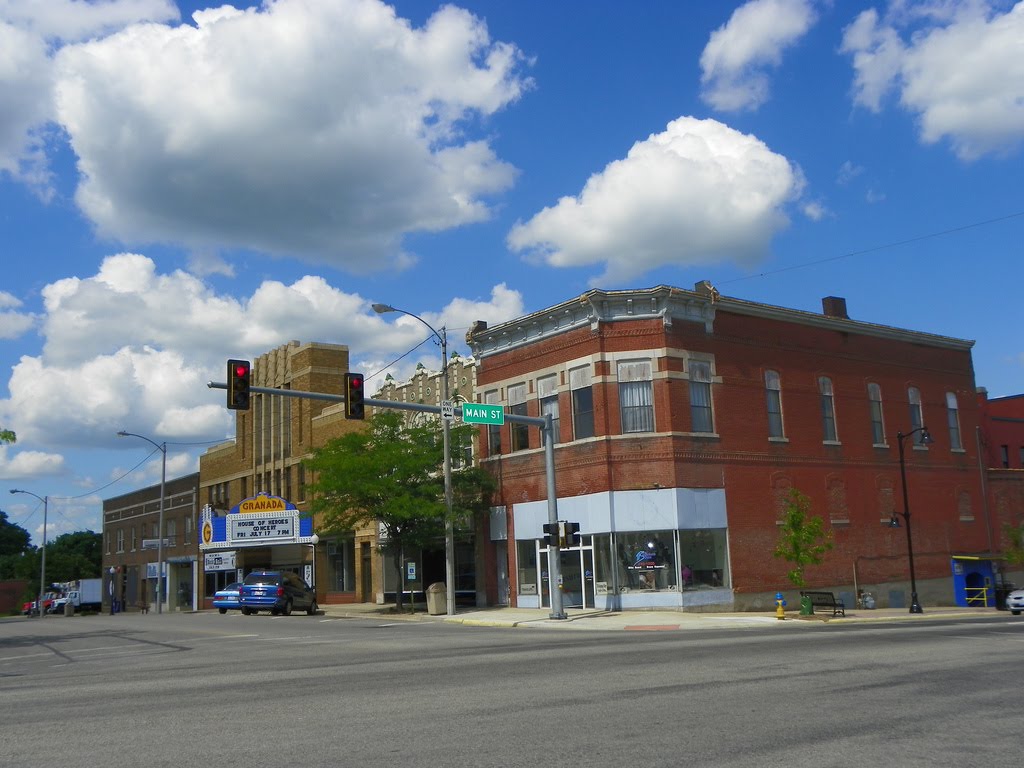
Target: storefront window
column 646, row 561
column 526, row 554
column 341, row 569
column 702, row 557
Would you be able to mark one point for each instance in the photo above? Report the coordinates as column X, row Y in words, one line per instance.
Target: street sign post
column 478, row 413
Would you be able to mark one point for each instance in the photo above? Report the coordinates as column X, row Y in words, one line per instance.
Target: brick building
column 684, row 418
column 1000, row 439
column 131, row 529
column 271, row 440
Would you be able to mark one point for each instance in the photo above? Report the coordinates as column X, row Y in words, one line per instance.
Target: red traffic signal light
column 239, row 381
column 354, row 408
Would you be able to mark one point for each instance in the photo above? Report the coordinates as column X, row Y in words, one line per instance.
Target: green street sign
column 476, row 413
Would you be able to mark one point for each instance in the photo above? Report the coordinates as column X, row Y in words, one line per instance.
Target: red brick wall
column 853, row 485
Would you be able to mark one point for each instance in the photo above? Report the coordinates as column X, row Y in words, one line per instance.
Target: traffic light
column 239, row 379
column 571, row 535
column 550, row 534
column 354, row 396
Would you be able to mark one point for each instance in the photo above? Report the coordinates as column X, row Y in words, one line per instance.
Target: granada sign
column 262, row 503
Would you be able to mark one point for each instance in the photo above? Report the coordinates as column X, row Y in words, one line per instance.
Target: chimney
column 834, row 306
column 478, row 326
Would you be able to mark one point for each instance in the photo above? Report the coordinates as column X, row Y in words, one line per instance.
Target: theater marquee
column 259, row 521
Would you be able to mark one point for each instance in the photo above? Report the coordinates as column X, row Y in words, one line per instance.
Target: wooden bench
column 826, row 600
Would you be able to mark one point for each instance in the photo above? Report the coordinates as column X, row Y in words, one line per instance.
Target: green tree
column 803, row 540
column 13, row 538
column 1013, row 550
column 73, row 556
column 390, row 474
column 14, row 549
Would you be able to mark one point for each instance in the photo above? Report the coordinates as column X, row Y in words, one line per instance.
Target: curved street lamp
column 926, row 439
column 449, row 525
column 162, row 447
column 42, row 567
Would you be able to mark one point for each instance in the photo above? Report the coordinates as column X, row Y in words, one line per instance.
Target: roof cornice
column 670, row 304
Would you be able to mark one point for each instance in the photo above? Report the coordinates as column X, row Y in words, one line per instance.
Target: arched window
column 773, row 393
column 875, row 403
column 953, row 417
column 916, row 413
column 828, row 410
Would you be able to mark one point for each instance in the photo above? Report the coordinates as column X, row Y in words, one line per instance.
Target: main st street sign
column 479, row 413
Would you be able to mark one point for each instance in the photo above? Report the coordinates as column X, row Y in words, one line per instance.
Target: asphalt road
column 222, row 691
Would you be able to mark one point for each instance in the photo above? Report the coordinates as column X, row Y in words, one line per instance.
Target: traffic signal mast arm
column 545, row 423
column 535, row 421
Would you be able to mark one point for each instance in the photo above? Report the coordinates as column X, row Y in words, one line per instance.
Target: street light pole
column 162, row 447
column 926, row 439
column 42, row 567
column 449, row 524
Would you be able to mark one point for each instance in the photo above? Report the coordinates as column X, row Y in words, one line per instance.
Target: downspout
column 984, row 489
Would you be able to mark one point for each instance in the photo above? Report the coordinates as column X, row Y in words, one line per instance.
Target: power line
column 876, row 248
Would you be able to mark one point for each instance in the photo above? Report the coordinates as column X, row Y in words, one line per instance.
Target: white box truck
column 85, row 595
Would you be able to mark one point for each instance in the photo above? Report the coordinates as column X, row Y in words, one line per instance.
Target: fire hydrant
column 780, row 604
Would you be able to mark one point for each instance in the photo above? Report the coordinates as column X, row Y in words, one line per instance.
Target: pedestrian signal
column 550, row 534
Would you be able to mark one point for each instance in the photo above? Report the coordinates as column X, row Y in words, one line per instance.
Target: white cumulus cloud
column 29, row 31
column 132, row 348
column 958, row 68
column 700, row 192
column 735, row 61
column 323, row 129
column 12, row 322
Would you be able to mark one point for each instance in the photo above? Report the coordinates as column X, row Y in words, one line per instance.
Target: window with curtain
column 828, row 409
column 916, row 413
column 701, row 416
column 636, row 401
column 773, row 393
column 493, row 430
column 547, row 395
column 875, row 405
column 582, row 403
column 517, row 407
column 953, row 417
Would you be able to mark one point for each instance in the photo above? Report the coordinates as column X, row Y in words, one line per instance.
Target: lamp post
column 313, row 541
column 42, row 567
column 449, row 524
column 110, row 589
column 162, row 447
column 926, row 439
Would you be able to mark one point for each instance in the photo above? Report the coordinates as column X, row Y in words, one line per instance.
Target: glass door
column 576, row 574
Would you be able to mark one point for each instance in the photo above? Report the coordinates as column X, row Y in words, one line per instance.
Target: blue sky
column 180, row 185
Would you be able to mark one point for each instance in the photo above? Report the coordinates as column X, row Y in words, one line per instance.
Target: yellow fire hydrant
column 780, row 605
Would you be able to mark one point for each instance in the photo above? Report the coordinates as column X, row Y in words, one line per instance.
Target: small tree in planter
column 803, row 540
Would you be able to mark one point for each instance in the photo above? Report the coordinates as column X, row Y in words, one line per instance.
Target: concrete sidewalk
column 577, row 619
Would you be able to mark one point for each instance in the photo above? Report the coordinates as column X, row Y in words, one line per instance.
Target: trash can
column 436, row 599
column 69, row 608
column 1002, row 592
column 806, row 609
